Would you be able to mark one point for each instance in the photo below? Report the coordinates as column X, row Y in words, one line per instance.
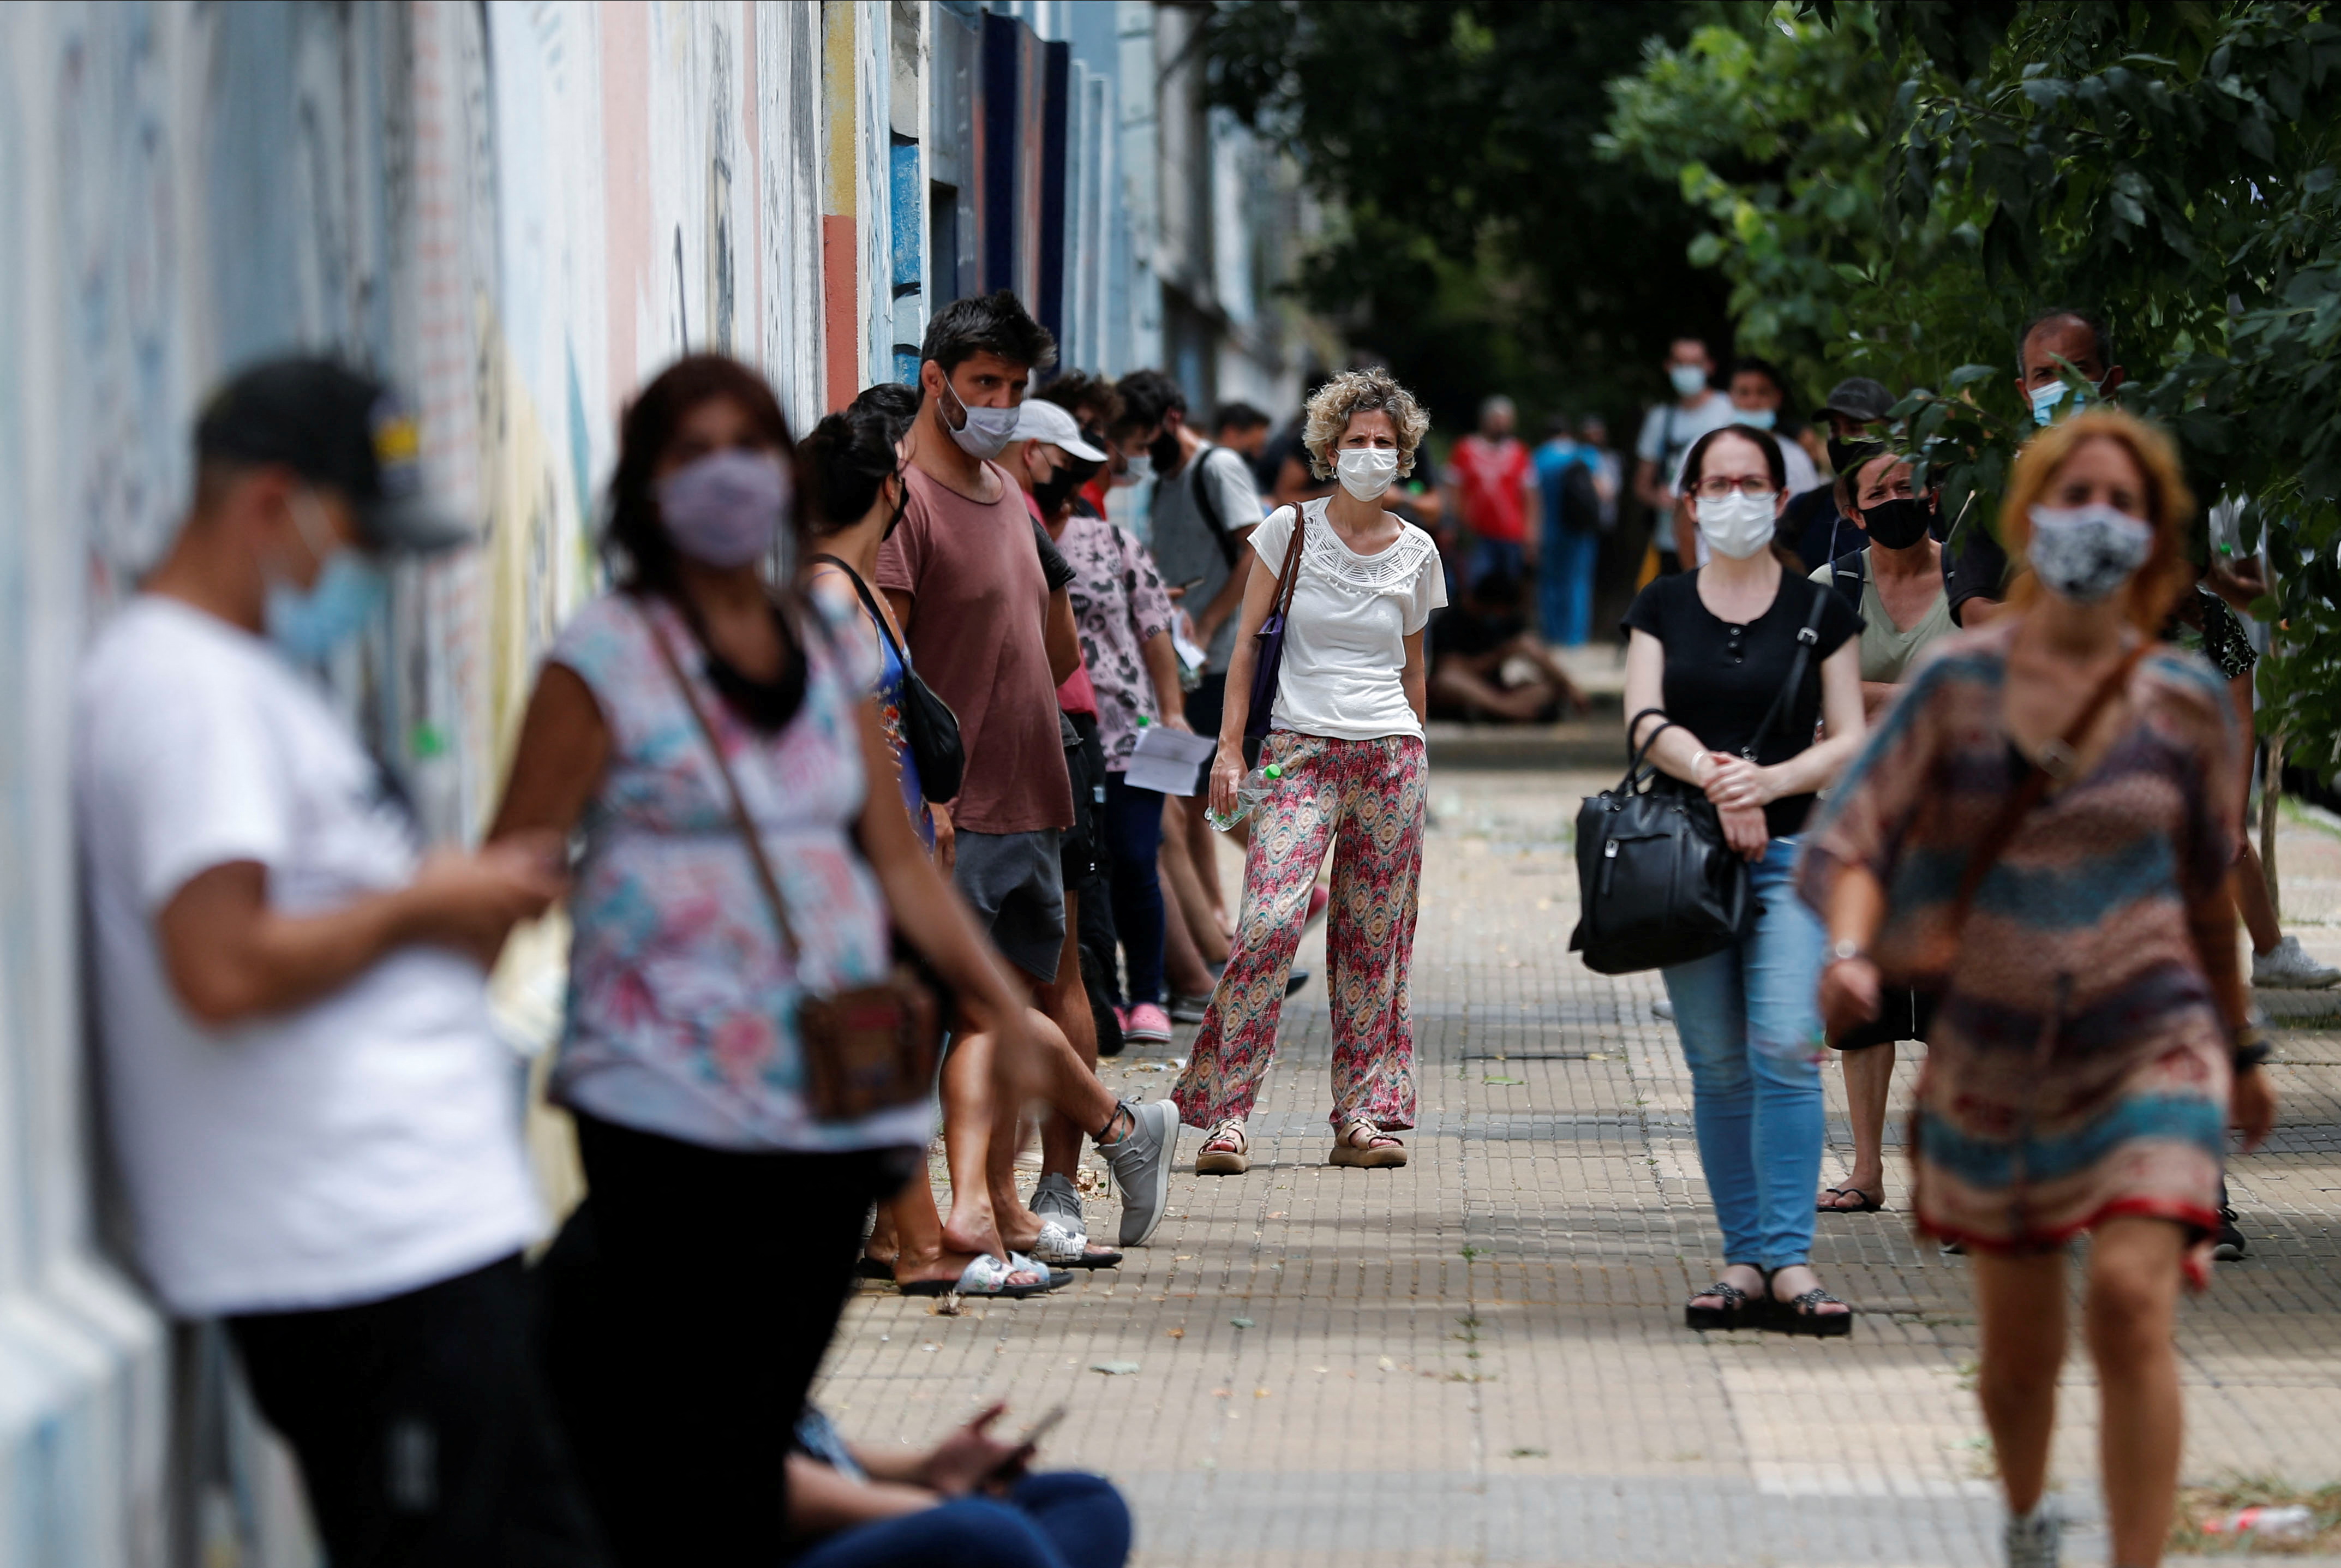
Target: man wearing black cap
column 1853, row 416
column 318, row 1132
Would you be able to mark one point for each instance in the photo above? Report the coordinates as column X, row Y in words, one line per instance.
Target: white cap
column 1038, row 419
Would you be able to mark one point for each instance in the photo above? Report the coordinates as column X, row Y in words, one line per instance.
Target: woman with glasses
column 1709, row 685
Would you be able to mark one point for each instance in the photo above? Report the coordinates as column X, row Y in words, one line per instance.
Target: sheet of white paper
column 1167, row 760
column 1190, row 656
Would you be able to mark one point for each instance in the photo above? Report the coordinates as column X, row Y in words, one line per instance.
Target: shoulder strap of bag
column 1642, row 751
column 1291, row 559
column 1808, row 637
column 2059, row 761
column 869, row 602
column 1209, row 505
column 740, row 818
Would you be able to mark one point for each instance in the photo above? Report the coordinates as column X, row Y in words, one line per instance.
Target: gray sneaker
column 2285, row 968
column 2032, row 1538
column 1054, row 1198
column 1141, row 1167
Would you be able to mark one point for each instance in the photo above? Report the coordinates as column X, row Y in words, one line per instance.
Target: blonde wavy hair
column 1356, row 391
column 2169, row 504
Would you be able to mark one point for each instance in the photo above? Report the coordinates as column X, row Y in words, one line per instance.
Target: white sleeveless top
column 1345, row 635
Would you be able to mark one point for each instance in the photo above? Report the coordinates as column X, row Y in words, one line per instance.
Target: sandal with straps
column 1380, row 1151
column 1226, row 1151
column 1739, row 1309
column 1803, row 1315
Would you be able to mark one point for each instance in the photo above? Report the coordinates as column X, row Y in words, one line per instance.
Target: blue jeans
column 1061, row 1521
column 1497, row 555
column 1749, row 1020
column 1565, row 585
column 1133, row 841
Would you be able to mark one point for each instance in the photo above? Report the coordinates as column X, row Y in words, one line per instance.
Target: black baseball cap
column 340, row 428
column 1857, row 398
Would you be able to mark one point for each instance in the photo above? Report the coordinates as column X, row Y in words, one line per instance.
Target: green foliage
column 1895, row 189
column 1479, row 240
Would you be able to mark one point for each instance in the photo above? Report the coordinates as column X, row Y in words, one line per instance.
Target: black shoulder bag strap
column 869, row 602
column 1840, row 574
column 1209, row 505
column 1808, row 637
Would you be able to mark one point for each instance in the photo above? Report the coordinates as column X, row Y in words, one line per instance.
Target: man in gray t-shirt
column 1204, row 505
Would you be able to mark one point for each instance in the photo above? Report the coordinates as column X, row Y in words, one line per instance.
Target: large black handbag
column 928, row 725
column 1656, row 881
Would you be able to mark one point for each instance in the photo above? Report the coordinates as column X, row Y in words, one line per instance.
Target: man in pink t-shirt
column 1491, row 479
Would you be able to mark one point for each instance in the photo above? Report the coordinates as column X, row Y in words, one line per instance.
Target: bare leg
column 1182, row 962
column 1869, row 1082
column 1067, row 1000
column 921, row 1253
column 2020, row 1307
column 1069, row 1085
column 2248, row 884
column 885, row 1241
column 1475, row 692
column 2132, row 1302
column 968, row 1098
column 1203, row 923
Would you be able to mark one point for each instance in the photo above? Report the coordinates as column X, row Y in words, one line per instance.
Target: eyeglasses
column 1716, row 489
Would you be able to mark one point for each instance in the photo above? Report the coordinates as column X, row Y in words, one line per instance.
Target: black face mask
column 1841, row 452
column 1064, row 484
column 1897, row 525
column 1166, row 453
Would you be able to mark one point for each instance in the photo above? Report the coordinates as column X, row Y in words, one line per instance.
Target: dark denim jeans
column 1061, row 1521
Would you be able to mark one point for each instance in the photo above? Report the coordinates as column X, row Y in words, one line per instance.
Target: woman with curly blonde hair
column 2041, row 829
column 1346, row 733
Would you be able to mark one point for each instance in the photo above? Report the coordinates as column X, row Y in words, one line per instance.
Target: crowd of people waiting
column 835, row 783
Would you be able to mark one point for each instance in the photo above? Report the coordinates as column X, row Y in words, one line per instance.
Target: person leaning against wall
column 695, row 705
column 317, row 1128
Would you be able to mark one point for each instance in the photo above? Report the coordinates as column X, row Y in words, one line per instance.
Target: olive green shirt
column 1888, row 649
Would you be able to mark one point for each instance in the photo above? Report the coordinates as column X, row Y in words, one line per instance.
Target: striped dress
column 2078, row 1064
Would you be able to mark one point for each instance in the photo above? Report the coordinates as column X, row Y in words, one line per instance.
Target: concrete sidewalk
column 1480, row 1358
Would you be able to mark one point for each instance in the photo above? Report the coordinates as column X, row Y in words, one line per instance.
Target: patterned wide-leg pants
column 1367, row 798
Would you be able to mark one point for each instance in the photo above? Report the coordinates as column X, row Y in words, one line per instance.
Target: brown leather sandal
column 1226, row 1151
column 1380, row 1151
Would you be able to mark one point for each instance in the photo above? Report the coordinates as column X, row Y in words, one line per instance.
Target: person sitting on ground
column 1895, row 583
column 968, row 1500
column 1476, row 650
column 1346, row 731
column 969, row 589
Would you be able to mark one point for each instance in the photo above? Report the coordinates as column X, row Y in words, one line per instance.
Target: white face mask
column 2085, row 552
column 1139, row 470
column 984, row 433
column 1737, row 524
column 1760, row 419
column 1689, row 380
column 1366, row 471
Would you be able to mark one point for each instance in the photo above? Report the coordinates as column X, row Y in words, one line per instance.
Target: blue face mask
column 2045, row 400
column 308, row 624
column 1761, row 418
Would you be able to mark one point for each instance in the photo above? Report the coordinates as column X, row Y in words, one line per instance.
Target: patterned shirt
column 682, row 1005
column 1120, row 601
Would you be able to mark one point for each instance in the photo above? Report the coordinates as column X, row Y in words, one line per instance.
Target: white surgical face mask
column 1366, row 471
column 1139, row 470
column 2085, row 552
column 1737, row 524
column 1689, row 380
column 984, row 433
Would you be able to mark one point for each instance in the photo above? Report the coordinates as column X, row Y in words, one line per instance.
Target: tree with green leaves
column 1478, row 239
column 1895, row 189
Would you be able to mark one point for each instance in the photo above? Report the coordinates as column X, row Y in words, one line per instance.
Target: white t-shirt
column 1345, row 635
column 363, row 1146
column 1669, row 429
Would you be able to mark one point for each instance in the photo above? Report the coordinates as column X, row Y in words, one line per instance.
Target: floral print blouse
column 682, row 1005
column 1120, row 601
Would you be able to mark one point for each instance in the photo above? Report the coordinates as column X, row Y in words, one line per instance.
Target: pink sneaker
column 1146, row 1025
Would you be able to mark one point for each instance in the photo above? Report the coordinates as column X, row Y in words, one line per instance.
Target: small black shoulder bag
column 1655, row 882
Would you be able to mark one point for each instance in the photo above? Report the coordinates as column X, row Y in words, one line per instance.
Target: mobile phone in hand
column 1026, row 1446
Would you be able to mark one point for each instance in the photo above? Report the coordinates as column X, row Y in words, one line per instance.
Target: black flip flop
column 866, row 1267
column 1868, row 1205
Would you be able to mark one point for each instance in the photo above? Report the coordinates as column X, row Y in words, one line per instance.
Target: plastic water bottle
column 1257, row 786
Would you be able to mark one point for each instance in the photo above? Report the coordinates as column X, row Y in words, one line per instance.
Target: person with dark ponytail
column 725, row 1210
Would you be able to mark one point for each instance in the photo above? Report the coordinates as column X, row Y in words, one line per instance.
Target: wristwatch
column 1846, row 949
